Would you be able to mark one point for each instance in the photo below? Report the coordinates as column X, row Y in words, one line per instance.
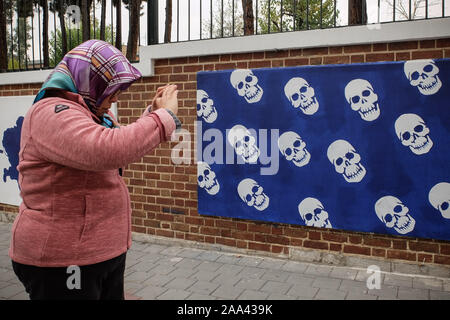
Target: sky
column 181, row 32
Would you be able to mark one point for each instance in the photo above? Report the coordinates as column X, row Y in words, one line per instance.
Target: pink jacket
column 76, row 207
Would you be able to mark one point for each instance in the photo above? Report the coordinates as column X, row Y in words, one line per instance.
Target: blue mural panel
column 361, row 147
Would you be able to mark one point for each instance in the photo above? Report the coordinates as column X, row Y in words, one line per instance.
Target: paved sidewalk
column 168, row 272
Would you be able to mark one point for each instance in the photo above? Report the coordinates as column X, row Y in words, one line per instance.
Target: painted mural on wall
column 361, row 147
column 12, row 113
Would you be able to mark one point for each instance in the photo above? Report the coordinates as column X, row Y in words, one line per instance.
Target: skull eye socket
column 415, row 75
column 366, row 93
column 388, row 218
column 295, row 97
column 200, row 178
column 349, row 155
column 255, row 189
column 204, row 100
column 418, row 128
column 240, row 85
column 303, row 89
column 206, row 172
column 248, row 197
column 339, row 161
column 355, row 99
column 406, row 136
column 238, row 144
column 246, row 138
column 428, row 68
column 317, row 210
column 398, row 208
column 297, row 143
column 199, row 106
column 288, row 151
column 248, row 78
column 444, row 205
column 308, row 216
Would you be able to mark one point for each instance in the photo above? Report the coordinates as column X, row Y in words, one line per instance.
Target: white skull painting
column 300, row 94
column 252, row 194
column 206, row 178
column 313, row 213
column 346, row 161
column 243, row 143
column 246, row 84
column 394, row 214
column 423, row 74
column 362, row 98
column 439, row 197
column 205, row 107
column 293, row 148
column 413, row 133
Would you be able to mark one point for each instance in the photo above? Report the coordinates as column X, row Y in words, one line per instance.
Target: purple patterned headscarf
column 95, row 69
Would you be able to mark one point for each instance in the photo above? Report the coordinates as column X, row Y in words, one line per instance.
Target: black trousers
column 100, row 281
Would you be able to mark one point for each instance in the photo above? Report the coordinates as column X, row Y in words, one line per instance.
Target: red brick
column 225, row 224
column 377, row 242
column 261, row 228
column 429, row 54
column 277, row 249
column 315, row 244
column 295, row 232
column 177, row 61
column 296, row 62
column 241, row 56
column 401, row 56
column 314, row 235
column 193, row 68
column 354, row 239
column 204, row 59
column 334, row 237
column 357, row 250
column 445, row 249
column 408, row 45
column 443, row 43
column 336, row 59
column 424, row 258
column 259, row 246
column 194, row 237
column 442, row 259
column 259, row 64
column 242, row 235
column 315, row 60
column 424, row 246
column 359, row 58
column 378, row 252
column 278, row 239
column 164, row 233
column 399, row 244
column 335, row 50
column 379, row 47
column 277, row 54
column 335, row 247
column 358, row 48
column 447, row 53
column 374, row 57
column 315, row 51
column 427, row 44
column 224, row 66
column 402, row 255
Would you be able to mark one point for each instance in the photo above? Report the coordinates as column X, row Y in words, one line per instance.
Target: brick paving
column 170, row 272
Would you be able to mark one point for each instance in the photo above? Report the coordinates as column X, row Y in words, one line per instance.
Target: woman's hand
column 166, row 97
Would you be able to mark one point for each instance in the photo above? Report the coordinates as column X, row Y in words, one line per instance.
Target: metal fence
column 37, row 29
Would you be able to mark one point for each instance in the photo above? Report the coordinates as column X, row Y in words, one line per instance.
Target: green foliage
column 74, row 38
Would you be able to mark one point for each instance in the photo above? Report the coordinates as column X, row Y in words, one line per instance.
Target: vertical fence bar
column 334, row 14
column 394, row 6
column 256, row 31
column 211, row 20
column 18, row 39
column 189, row 20
column 201, row 19
column 426, row 9
column 295, row 14
column 268, row 17
column 12, row 38
column 178, row 20
column 152, row 22
column 32, row 36
column 321, row 14
column 410, row 10
column 26, row 44
column 112, row 22
column 221, row 20
column 307, row 14
column 443, row 8
column 281, row 17
column 93, row 5
column 54, row 29
column 232, row 18
column 78, row 29
column 39, row 33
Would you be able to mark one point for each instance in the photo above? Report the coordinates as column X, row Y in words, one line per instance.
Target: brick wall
column 164, row 195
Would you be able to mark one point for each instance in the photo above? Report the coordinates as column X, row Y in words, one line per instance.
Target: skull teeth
column 407, row 225
column 354, row 175
column 253, row 96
